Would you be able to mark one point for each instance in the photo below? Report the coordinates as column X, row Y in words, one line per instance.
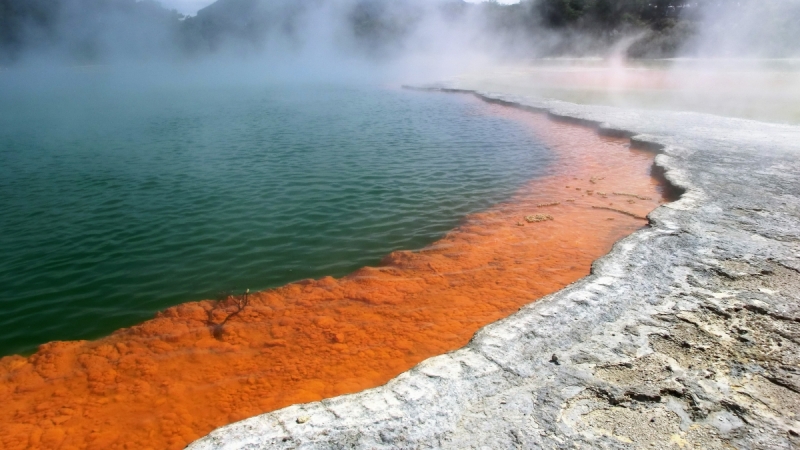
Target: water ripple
column 114, row 208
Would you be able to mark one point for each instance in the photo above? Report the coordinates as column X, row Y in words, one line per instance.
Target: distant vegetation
column 593, row 26
column 88, row 31
column 85, row 30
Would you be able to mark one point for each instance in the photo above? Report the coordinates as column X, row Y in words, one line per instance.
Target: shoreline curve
column 169, row 380
column 692, row 323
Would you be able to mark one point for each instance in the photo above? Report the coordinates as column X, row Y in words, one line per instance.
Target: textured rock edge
column 687, row 333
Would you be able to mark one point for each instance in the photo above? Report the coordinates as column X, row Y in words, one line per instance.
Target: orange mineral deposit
column 172, row 379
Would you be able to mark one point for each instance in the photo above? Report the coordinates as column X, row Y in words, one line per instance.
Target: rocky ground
column 687, row 335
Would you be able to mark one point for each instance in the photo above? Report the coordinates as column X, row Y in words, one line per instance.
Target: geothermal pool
column 412, row 220
column 117, row 202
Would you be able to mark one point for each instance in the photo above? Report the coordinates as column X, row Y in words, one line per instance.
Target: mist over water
column 744, row 46
column 380, row 40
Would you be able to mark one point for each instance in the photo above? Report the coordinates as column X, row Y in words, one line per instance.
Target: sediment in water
column 172, row 379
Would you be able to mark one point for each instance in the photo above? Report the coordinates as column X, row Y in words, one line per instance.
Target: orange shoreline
column 170, row 380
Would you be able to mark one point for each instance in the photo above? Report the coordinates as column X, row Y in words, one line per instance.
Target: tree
column 225, row 302
column 560, row 13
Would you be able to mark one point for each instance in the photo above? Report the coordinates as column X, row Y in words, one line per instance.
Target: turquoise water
column 116, row 203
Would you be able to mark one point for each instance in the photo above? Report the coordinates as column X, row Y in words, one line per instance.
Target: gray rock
column 686, row 334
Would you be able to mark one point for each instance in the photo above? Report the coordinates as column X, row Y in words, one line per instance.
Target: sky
column 190, row 7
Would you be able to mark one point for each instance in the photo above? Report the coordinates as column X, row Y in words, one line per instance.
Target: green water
column 117, row 203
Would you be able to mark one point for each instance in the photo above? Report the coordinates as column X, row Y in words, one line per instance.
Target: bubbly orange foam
column 172, row 379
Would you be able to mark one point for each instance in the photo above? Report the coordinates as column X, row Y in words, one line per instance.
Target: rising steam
column 417, row 41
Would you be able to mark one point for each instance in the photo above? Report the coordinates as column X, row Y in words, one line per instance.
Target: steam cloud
column 411, row 40
column 103, row 31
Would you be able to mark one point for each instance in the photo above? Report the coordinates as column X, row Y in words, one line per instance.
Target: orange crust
column 168, row 381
